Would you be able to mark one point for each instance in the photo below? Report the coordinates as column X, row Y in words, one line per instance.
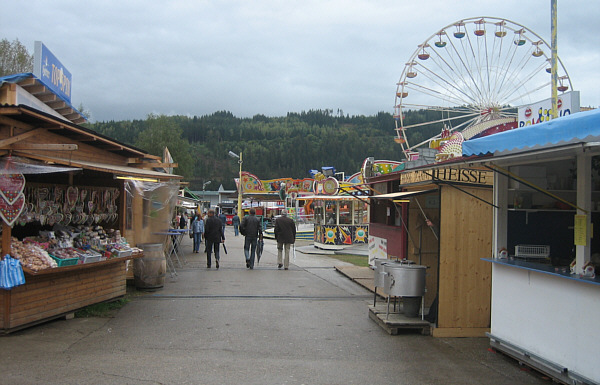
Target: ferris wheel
column 471, row 76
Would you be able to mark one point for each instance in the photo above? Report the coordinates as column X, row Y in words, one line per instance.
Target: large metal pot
column 404, row 280
column 378, row 272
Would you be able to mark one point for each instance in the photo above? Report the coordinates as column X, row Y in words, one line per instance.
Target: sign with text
column 51, row 71
column 567, row 103
column 457, row 175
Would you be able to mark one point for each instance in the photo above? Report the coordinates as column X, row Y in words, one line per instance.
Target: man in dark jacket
column 285, row 235
column 213, row 236
column 251, row 229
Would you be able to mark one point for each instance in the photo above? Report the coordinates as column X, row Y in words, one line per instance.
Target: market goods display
column 69, row 205
column 31, row 256
column 67, row 245
column 67, row 253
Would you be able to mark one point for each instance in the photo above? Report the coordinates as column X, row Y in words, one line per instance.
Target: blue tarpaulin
column 576, row 128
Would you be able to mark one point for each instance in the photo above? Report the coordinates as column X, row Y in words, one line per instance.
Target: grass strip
column 357, row 260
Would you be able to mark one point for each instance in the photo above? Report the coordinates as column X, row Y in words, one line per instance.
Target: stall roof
column 26, row 117
column 108, row 168
column 581, row 127
column 402, row 194
column 34, row 86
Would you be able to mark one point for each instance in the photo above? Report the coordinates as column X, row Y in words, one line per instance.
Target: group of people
column 212, row 230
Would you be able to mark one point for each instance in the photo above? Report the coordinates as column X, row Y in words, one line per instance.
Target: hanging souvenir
column 12, row 199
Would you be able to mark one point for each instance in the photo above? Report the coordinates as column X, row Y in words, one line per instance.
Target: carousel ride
column 468, row 80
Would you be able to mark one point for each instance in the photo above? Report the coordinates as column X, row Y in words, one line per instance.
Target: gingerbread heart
column 10, row 212
column 72, row 196
column 11, row 186
column 43, row 193
column 82, row 195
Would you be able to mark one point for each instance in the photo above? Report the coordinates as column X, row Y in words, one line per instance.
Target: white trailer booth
column 545, row 294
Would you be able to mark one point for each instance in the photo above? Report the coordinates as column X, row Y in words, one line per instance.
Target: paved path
column 307, row 325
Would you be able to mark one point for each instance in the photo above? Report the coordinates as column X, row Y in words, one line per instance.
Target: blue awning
column 577, row 128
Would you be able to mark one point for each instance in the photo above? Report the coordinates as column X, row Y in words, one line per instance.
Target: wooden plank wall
column 465, row 280
column 50, row 295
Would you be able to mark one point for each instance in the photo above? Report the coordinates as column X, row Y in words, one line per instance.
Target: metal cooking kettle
column 404, row 279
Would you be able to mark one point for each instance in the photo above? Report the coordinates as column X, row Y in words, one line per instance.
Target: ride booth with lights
column 339, row 212
column 440, row 218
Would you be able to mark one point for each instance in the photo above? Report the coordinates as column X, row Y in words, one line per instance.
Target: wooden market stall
column 72, row 180
column 440, row 217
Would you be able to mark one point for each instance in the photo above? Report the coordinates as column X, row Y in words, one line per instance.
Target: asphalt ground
column 307, row 325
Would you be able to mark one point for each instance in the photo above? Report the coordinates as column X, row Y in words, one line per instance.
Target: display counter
column 55, row 292
column 563, row 272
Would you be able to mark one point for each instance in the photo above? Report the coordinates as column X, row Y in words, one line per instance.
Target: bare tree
column 14, row 58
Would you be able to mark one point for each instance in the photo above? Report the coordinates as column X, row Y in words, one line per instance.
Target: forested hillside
column 273, row 147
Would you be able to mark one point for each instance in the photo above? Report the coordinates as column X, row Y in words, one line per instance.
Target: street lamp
column 203, row 186
column 241, row 186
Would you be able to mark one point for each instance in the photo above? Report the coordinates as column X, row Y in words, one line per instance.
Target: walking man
column 285, row 235
column 236, row 224
column 213, row 236
column 251, row 229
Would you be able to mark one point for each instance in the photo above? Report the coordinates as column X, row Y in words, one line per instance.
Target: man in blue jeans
column 252, row 231
column 236, row 224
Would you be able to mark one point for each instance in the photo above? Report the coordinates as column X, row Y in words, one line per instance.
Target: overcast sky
column 129, row 58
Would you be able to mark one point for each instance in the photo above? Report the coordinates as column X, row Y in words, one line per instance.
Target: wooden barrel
column 149, row 271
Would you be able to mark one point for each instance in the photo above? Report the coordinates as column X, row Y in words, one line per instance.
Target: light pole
column 241, row 185
column 203, row 186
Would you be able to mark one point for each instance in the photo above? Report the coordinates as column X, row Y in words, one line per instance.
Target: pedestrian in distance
column 236, row 224
column 213, row 236
column 182, row 221
column 223, row 219
column 285, row 235
column 198, row 231
column 252, row 231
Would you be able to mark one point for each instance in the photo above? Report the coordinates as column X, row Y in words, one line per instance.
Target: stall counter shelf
column 542, row 268
column 53, row 293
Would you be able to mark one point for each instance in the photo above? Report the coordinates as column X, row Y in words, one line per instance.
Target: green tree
column 14, row 58
column 161, row 132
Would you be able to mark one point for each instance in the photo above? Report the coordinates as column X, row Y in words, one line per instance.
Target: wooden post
column 6, row 235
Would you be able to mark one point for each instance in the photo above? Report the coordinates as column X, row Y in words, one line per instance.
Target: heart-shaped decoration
column 58, row 218
column 58, row 194
column 82, row 195
column 10, row 212
column 91, row 206
column 11, row 186
column 72, row 195
column 42, row 193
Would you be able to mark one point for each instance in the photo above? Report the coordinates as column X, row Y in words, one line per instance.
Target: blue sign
column 51, row 72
